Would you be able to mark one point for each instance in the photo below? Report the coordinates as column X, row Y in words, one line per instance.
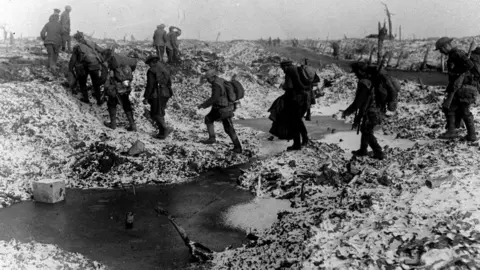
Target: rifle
column 367, row 103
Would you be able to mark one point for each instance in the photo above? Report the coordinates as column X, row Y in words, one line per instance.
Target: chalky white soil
column 350, row 214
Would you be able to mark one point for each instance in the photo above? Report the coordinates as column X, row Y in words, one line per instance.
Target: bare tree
column 389, row 16
column 382, row 33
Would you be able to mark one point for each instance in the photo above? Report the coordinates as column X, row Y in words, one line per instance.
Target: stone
column 137, row 148
column 48, row 190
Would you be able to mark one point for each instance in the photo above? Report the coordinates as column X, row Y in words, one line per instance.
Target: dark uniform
column 118, row 88
column 87, row 60
column 222, row 110
column 296, row 104
column 461, row 91
column 368, row 114
column 51, row 36
column 65, row 22
column 158, row 91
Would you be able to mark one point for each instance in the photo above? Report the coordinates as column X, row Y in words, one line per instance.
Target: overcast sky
column 248, row 19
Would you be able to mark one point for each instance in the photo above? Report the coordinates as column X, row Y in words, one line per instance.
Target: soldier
column 65, row 22
column 118, row 87
column 51, row 36
column 295, row 104
column 56, row 11
column 157, row 94
column 222, row 110
column 172, row 44
column 159, row 40
column 368, row 113
column 87, row 60
column 461, row 89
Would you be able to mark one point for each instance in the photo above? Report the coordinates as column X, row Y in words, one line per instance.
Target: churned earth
column 417, row 209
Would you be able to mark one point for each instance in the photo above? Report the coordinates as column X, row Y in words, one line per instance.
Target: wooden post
column 371, row 55
column 422, row 67
column 399, row 59
column 471, row 47
column 442, row 62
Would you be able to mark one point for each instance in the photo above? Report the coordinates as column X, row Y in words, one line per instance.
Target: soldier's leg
column 209, row 122
column 112, row 112
column 69, row 43
column 165, row 130
column 82, row 82
column 128, row 109
column 367, row 131
column 96, row 83
column 169, row 55
column 467, row 117
column 162, row 53
column 230, row 130
column 50, row 53
column 303, row 132
column 296, row 126
column 450, row 113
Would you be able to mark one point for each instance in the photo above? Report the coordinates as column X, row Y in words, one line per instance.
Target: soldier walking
column 222, row 110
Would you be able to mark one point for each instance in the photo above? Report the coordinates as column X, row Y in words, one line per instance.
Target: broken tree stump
column 382, row 34
column 471, row 47
column 424, row 63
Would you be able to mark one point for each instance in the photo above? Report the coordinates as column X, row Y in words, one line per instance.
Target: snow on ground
column 15, row 255
column 416, row 209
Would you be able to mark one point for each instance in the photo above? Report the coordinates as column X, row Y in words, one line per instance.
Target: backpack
column 308, row 73
column 475, row 57
column 234, row 90
column 386, row 93
column 123, row 73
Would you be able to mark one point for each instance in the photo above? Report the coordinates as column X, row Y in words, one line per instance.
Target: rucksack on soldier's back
column 234, row 90
column 475, row 57
column 388, row 91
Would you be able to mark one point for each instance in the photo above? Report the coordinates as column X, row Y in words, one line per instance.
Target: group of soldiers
column 115, row 72
column 460, row 94
column 167, row 41
column 370, row 108
column 56, row 35
column 274, row 42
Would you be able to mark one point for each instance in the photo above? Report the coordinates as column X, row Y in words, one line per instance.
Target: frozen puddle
column 350, row 141
column 259, row 214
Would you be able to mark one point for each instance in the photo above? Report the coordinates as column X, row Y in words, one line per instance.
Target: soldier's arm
column 73, row 59
column 216, row 90
column 151, row 80
column 43, row 32
column 360, row 97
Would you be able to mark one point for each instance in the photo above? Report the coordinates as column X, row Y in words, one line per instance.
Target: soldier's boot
column 308, row 117
column 211, row 135
column 84, row 98
column 363, row 147
column 131, row 122
column 377, row 149
column 459, row 122
column 98, row 95
column 163, row 129
column 451, row 133
column 471, row 133
column 304, row 135
column 296, row 143
column 112, row 111
column 237, row 146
